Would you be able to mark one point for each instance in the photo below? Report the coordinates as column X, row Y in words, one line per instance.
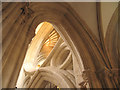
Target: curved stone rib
column 59, row 50
column 52, row 52
column 53, row 75
column 66, row 62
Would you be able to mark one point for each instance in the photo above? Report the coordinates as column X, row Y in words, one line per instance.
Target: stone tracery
column 59, row 64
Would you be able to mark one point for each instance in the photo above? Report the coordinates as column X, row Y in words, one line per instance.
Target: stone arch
column 112, row 39
column 75, row 34
column 53, row 75
column 86, row 42
column 57, row 21
column 112, row 44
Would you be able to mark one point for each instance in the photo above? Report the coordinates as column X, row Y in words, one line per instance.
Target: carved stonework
column 82, row 46
column 58, row 61
column 85, row 82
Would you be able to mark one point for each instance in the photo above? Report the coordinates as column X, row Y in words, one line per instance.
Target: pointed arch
column 84, row 46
